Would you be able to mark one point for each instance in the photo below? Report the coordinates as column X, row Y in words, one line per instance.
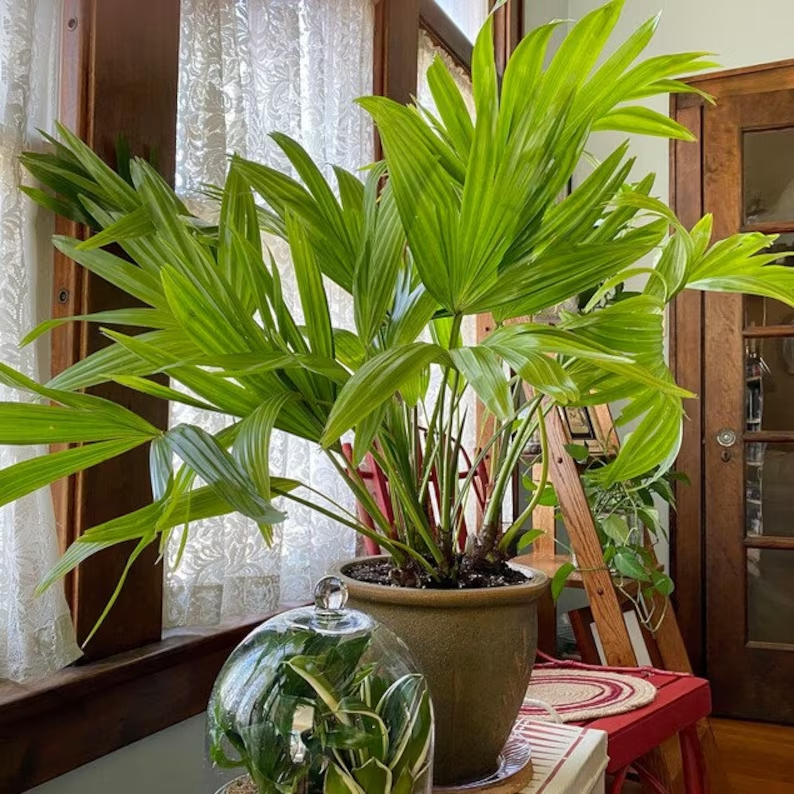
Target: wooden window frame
column 136, row 679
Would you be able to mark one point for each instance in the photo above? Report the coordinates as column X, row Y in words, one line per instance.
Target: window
column 317, row 60
column 240, row 74
column 468, row 15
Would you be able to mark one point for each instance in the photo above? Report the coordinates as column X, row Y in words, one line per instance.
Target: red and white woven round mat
column 578, row 695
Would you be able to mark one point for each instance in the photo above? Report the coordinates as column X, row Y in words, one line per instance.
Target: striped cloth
column 565, row 759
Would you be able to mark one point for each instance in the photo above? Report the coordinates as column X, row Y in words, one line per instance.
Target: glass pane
column 765, row 311
column 770, row 595
column 769, row 380
column 428, row 50
column 769, row 176
column 769, row 489
column 468, row 15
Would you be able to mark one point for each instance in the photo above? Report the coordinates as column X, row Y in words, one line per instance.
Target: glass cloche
column 323, row 699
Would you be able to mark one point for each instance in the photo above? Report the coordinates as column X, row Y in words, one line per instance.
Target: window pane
column 770, row 595
column 766, row 311
column 769, row 381
column 769, row 176
column 468, row 15
column 427, row 51
column 769, row 489
column 247, row 68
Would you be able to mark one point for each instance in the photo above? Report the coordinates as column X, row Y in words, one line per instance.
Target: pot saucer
column 514, row 773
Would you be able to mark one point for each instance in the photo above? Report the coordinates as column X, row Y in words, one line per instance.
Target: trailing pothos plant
column 628, row 525
column 304, row 712
column 462, row 217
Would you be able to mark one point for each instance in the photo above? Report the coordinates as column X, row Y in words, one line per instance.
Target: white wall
column 538, row 12
column 740, row 33
column 173, row 761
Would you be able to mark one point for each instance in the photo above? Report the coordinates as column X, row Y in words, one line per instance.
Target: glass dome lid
column 320, row 699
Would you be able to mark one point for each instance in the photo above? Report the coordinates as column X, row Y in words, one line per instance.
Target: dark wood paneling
column 52, row 726
column 769, row 436
column 67, row 278
column 737, row 82
column 396, row 49
column 723, row 342
column 686, row 362
column 753, row 541
column 770, row 227
column 111, row 90
column 395, row 53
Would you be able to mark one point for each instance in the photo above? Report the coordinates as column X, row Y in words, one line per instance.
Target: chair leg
column 692, row 761
column 649, row 780
column 619, row 780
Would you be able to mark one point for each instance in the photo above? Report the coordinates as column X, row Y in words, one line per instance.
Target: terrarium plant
column 323, row 700
column 462, row 217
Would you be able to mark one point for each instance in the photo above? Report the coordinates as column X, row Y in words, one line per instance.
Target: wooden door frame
column 686, row 324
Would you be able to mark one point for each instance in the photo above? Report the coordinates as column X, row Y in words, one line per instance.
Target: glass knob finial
column 330, row 595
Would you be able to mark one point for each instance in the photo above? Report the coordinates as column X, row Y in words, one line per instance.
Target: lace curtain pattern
column 36, row 635
column 428, row 50
column 249, row 67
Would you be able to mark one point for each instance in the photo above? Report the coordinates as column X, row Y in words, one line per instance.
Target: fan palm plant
column 462, row 217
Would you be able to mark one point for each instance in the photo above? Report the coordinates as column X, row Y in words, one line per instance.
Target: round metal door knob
column 726, row 437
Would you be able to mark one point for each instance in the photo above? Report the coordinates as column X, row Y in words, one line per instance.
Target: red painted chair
column 378, row 485
column 681, row 702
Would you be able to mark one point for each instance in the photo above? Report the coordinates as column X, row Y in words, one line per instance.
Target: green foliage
column 626, row 521
column 313, row 716
column 469, row 221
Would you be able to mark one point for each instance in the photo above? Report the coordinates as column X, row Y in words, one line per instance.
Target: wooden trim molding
column 508, row 30
column 109, row 90
column 396, row 49
column 686, row 362
column 49, row 727
column 395, row 53
column 444, row 30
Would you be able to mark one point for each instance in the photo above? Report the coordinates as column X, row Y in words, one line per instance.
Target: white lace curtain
column 249, row 67
column 36, row 636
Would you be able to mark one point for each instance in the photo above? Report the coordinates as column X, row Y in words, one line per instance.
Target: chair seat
column 680, row 702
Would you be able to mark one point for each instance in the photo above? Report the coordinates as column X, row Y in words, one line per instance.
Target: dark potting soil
column 470, row 575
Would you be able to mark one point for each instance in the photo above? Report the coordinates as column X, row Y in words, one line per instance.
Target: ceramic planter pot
column 240, row 785
column 476, row 648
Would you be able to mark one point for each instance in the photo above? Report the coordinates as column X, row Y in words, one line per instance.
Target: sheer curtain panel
column 249, row 67
column 36, row 636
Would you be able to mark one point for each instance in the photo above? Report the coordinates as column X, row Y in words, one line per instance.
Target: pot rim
column 474, row 597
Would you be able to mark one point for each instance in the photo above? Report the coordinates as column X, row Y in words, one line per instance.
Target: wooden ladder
column 593, row 576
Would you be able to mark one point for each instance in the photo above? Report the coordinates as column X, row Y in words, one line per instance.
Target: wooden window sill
column 51, row 726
